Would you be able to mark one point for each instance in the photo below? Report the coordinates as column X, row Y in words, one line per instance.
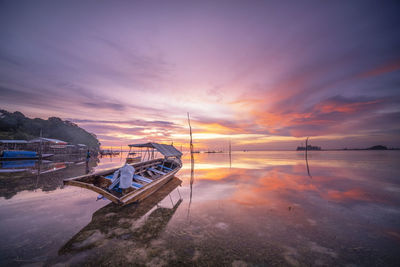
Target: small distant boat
column 133, row 156
column 213, row 151
column 22, row 155
column 108, row 152
column 147, row 176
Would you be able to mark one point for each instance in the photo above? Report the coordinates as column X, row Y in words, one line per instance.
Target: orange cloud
column 220, row 127
column 383, row 69
column 332, row 106
column 314, row 120
column 247, row 101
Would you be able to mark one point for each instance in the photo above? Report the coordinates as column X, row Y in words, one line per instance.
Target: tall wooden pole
column 40, row 147
column 190, row 131
column 306, row 146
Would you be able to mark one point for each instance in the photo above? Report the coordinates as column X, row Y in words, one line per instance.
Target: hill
column 17, row 126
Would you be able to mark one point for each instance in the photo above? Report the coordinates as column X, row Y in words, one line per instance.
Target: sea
column 254, row 208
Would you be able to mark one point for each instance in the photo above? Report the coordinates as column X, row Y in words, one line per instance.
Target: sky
column 260, row 74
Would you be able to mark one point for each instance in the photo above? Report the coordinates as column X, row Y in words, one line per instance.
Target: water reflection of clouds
column 274, row 199
column 355, row 194
column 264, row 159
column 267, row 181
column 259, row 214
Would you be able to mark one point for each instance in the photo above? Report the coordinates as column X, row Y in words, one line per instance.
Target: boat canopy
column 48, row 140
column 166, row 150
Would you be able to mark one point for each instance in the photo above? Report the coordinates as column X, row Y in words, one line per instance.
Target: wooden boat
column 148, row 176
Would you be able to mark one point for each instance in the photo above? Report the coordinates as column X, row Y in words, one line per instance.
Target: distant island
column 318, row 148
column 15, row 126
column 377, row 147
column 309, row 147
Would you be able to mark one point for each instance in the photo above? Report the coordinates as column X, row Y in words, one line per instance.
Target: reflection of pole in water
column 40, row 160
column 308, row 169
column 230, row 155
column 191, row 176
column 38, row 173
column 191, row 181
column 87, row 167
column 191, row 165
column 87, row 161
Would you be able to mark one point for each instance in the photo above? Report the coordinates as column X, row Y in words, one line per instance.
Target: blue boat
column 21, row 155
column 18, row 164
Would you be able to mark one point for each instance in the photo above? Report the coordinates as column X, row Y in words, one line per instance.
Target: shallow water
column 253, row 208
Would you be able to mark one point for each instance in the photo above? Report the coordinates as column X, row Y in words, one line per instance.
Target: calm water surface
column 253, row 208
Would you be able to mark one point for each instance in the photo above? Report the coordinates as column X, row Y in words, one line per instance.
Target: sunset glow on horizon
column 262, row 75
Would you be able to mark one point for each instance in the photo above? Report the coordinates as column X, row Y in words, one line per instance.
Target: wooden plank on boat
column 147, row 189
column 150, row 173
column 101, row 181
column 157, row 171
column 96, row 189
column 141, row 178
column 116, row 181
column 144, row 194
column 111, row 171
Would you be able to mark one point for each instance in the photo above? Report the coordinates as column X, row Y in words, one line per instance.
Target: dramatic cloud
column 264, row 75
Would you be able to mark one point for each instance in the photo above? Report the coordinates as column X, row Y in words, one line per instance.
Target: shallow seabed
column 250, row 209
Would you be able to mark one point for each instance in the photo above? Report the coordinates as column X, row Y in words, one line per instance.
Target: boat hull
column 44, row 156
column 92, row 182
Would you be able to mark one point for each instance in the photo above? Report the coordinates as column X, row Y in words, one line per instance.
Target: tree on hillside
column 17, row 126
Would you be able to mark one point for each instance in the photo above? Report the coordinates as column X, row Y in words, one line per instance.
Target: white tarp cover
column 166, row 150
column 125, row 179
column 50, row 140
